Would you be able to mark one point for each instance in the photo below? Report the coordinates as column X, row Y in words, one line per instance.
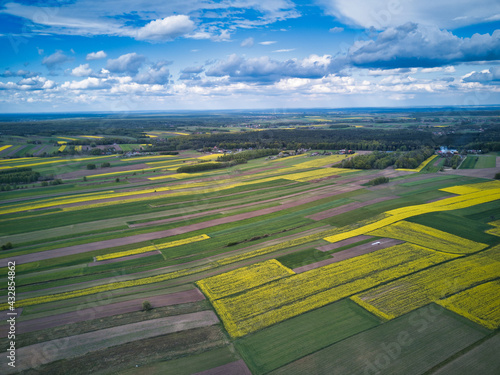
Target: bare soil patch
column 481, row 173
column 232, row 368
column 351, row 253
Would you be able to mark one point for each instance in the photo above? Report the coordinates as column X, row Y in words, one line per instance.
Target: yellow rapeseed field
column 145, row 249
column 290, row 296
column 392, row 216
column 481, row 304
column 430, row 285
column 242, row 279
column 4, row 147
column 61, row 148
column 428, row 237
column 472, row 188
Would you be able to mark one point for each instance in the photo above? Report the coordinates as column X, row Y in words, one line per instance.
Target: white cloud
column 90, row 83
column 284, row 50
column 128, row 63
column 268, row 42
column 82, row 71
column 336, row 29
column 167, row 28
column 96, row 55
column 248, row 42
column 381, row 14
column 56, row 59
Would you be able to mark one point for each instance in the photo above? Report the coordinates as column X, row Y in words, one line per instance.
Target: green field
column 290, row 340
column 412, row 344
column 479, row 161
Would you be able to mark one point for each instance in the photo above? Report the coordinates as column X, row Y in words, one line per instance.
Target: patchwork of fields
column 270, row 267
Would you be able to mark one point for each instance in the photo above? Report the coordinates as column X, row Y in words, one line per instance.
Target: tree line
column 381, row 160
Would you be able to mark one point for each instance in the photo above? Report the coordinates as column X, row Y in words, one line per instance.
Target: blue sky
column 95, row 55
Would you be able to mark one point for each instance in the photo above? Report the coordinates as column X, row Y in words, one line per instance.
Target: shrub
column 378, row 181
column 497, row 176
column 146, row 306
column 91, row 166
column 7, row 246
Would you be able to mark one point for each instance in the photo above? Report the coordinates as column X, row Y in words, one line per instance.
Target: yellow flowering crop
column 428, row 237
column 320, row 161
column 62, row 142
column 61, row 148
column 91, row 136
column 4, row 147
column 149, row 157
column 430, row 285
column 420, row 167
column 145, row 249
column 209, row 157
column 68, row 138
column 78, row 148
column 472, row 188
column 284, row 298
column 480, row 304
column 392, row 216
column 242, row 279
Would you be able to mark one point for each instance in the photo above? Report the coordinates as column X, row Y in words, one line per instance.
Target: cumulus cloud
column 29, row 84
column 90, row 83
column 191, row 73
column 248, row 42
column 267, row 42
column 265, row 69
column 165, row 29
column 413, row 45
column 490, row 76
column 55, row 60
column 20, row 73
column 96, row 55
column 82, row 71
column 129, row 63
column 155, row 74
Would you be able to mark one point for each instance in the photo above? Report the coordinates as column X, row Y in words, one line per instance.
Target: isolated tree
column 146, row 306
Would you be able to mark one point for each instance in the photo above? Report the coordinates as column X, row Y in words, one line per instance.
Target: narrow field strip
column 152, row 248
column 117, row 308
column 287, row 297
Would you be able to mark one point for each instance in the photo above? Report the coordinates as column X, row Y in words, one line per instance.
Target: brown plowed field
column 37, row 324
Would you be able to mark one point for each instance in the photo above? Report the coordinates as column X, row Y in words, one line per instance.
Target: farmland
column 286, row 263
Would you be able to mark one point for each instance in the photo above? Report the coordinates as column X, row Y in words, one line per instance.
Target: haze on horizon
column 88, row 55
